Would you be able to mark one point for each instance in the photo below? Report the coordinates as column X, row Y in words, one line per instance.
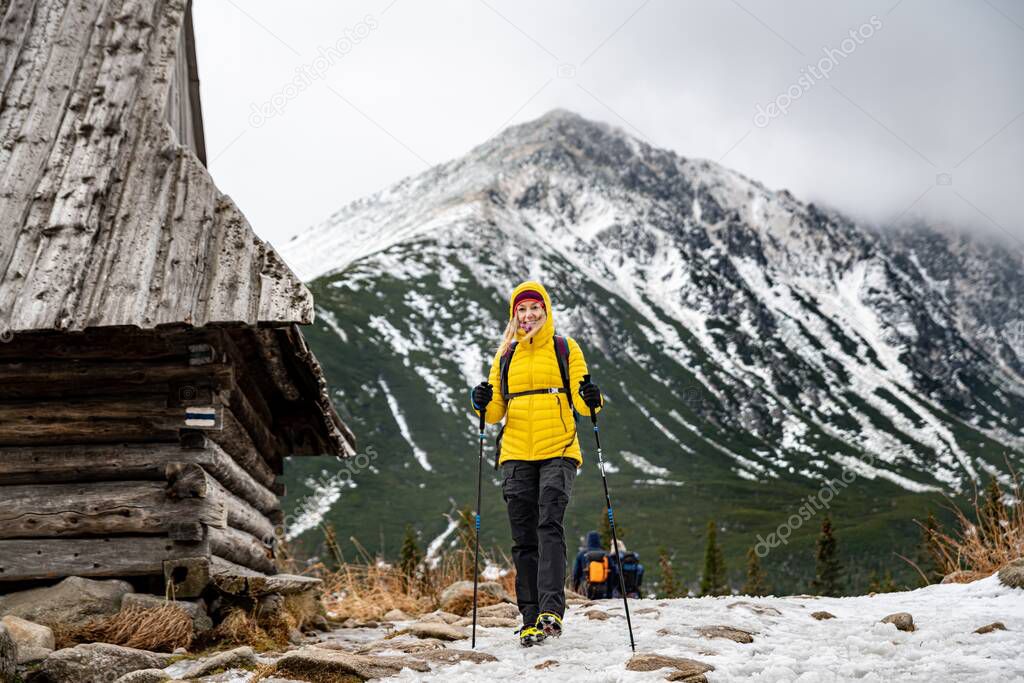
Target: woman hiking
column 538, row 449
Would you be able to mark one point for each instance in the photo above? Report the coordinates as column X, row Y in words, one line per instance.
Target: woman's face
column 530, row 314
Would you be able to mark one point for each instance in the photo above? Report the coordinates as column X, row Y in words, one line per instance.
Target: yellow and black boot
column 550, row 624
column 530, row 636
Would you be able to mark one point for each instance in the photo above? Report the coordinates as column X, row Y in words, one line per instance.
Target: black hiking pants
column 537, row 493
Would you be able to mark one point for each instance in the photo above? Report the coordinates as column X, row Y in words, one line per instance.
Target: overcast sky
column 309, row 105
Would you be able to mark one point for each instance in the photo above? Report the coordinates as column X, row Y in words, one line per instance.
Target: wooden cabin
column 153, row 376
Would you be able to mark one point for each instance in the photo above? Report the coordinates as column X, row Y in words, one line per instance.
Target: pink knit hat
column 527, row 294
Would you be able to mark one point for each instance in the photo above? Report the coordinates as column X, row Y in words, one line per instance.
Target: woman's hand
column 590, row 394
column 482, row 395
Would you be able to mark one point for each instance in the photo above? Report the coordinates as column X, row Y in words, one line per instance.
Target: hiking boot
column 530, row 636
column 550, row 624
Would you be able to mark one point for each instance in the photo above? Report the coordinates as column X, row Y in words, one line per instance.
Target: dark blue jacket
column 578, row 569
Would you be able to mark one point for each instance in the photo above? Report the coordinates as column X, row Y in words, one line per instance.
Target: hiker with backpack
column 632, row 572
column 591, row 572
column 539, row 376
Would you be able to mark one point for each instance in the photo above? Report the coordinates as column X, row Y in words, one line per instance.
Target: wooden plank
column 191, row 480
column 103, row 508
column 235, row 440
column 238, row 580
column 116, row 462
column 240, row 548
column 24, row 379
column 54, row 558
column 137, row 418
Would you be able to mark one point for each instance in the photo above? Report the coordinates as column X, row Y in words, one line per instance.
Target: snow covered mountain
column 752, row 346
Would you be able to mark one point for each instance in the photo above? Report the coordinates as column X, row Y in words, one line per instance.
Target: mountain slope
column 752, row 347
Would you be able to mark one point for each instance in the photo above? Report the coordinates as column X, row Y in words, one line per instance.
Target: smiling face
column 530, row 315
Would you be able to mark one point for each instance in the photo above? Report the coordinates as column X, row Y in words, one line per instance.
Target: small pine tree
column 714, row 580
column 828, row 572
column 885, row 584
column 410, row 557
column 929, row 554
column 670, row 587
column 992, row 510
column 756, row 578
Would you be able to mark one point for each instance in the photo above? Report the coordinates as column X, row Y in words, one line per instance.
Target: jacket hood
column 547, row 330
column 593, row 541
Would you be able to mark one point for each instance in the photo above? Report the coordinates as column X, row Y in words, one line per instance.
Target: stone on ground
column 8, row 655
column 596, row 614
column 684, row 669
column 435, row 630
column 144, row 676
column 396, row 615
column 451, row 656
column 35, row 641
column 72, row 601
column 822, row 615
column 79, row 664
column 737, row 635
column 989, row 628
column 239, row 658
column 458, row 597
column 314, row 661
column 1012, row 575
column 901, row 620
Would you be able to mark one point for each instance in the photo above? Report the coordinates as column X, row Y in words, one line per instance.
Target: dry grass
column 159, row 629
column 369, row 589
column 986, row 538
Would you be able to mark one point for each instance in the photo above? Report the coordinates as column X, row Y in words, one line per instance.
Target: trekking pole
column 479, row 486
column 611, row 522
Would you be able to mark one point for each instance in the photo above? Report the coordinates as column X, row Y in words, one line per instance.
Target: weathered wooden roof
column 107, row 217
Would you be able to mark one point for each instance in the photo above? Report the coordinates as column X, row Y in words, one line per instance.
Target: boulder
column 239, row 658
column 994, row 626
column 404, row 644
column 901, row 620
column 72, row 601
column 502, row 610
column 596, row 614
column 8, row 655
column 822, row 615
column 144, row 676
column 35, row 641
column 1012, row 575
column 451, row 656
column 546, row 664
column 458, row 597
column 85, row 663
column 737, row 635
column 197, row 610
column 332, row 664
column 430, row 629
column 684, row 669
column 440, row 617
column 648, row 610
column 764, row 610
column 396, row 615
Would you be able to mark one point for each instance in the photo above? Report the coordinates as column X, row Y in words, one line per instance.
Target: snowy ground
column 791, row 646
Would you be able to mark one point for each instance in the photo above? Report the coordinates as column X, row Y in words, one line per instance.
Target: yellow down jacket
column 538, row 426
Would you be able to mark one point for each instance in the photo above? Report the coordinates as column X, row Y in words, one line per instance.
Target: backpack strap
column 503, row 364
column 562, row 354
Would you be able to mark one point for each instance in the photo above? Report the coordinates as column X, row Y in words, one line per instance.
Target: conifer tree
column 410, row 556
column 756, row 578
column 828, row 573
column 714, row 581
column 929, row 555
column 670, row 587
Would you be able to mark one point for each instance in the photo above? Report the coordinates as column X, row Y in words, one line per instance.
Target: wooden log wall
column 138, row 453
